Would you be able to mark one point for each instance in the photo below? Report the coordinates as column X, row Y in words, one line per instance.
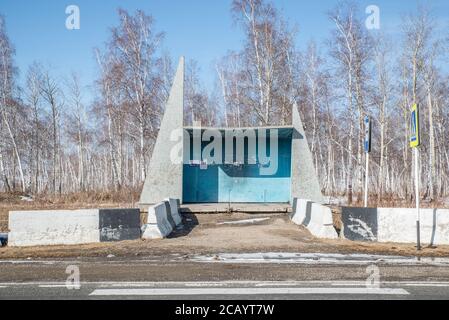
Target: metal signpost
column 367, row 147
column 415, row 142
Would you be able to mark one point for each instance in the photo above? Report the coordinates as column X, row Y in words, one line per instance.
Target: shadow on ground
column 189, row 222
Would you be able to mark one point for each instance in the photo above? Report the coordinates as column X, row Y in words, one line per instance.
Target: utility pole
column 415, row 142
column 367, row 147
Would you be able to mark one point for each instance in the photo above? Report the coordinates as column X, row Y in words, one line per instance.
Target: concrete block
column 315, row 217
column 169, row 216
column 63, row 227
column 174, row 210
column 321, row 224
column 119, row 224
column 396, row 225
column 158, row 225
column 300, row 208
column 152, row 232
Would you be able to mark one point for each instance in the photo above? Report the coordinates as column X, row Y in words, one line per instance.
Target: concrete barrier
column 399, row 225
column 315, row 217
column 70, row 227
column 396, row 225
column 174, row 211
column 119, row 224
column 299, row 209
column 169, row 216
column 158, row 225
column 359, row 224
column 64, row 227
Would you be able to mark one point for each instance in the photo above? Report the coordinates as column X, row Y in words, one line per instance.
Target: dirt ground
column 207, row 234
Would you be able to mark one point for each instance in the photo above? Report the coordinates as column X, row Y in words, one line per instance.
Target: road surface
column 253, row 276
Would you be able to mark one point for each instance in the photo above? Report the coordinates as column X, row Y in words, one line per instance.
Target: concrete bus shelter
column 194, row 179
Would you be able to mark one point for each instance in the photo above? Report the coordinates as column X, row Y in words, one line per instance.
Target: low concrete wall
column 158, row 225
column 70, row 227
column 399, row 225
column 119, row 224
column 315, row 217
column 64, row 227
column 396, row 225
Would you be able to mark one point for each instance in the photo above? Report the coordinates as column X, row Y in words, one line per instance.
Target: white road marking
column 53, row 286
column 350, row 284
column 29, row 262
column 159, row 284
column 427, row 285
column 246, row 291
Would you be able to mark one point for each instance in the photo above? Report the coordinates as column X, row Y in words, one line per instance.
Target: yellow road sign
column 415, row 139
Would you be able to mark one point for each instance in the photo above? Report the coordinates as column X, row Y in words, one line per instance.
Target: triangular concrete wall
column 305, row 183
column 164, row 176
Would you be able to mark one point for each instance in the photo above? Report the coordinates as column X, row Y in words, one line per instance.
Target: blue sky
column 199, row 29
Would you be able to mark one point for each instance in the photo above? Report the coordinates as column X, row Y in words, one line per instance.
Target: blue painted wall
column 239, row 184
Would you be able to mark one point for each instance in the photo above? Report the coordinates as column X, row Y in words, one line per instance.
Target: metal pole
column 418, row 217
column 366, row 180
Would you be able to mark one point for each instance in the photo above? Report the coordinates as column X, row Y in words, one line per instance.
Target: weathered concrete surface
column 69, row 227
column 174, row 210
column 158, row 225
column 396, row 225
column 203, row 234
column 119, row 224
column 299, row 209
column 315, row 217
column 164, row 177
column 360, row 224
column 64, row 227
column 169, row 216
column 399, row 225
column 304, row 179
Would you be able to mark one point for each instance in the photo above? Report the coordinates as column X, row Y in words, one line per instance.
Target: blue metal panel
column 239, row 183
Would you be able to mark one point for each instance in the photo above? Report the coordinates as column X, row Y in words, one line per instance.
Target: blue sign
column 367, row 142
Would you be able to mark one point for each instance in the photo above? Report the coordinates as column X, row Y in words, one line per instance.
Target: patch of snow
column 317, row 258
column 26, row 198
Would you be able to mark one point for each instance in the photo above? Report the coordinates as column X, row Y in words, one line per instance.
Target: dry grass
column 392, row 201
column 125, row 198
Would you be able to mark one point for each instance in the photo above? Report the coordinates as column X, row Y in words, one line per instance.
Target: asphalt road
column 227, row 277
column 228, row 291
